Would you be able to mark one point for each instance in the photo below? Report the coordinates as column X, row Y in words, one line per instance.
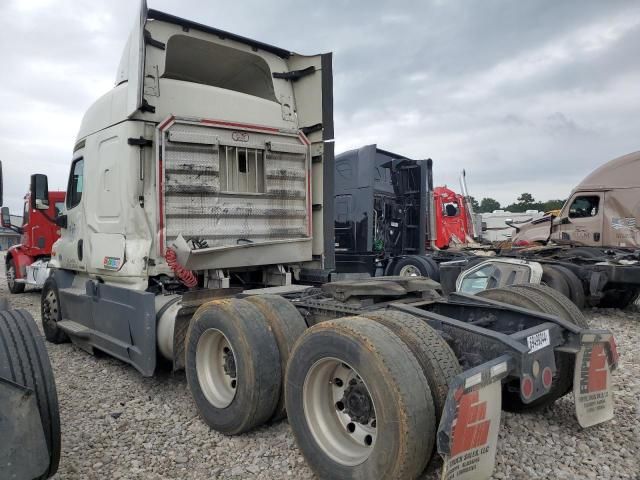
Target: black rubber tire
column 13, row 287
column 257, row 362
column 570, row 310
column 576, row 288
column 50, row 313
column 556, row 280
column 619, row 298
column 421, row 264
column 585, row 252
column 435, row 268
column 438, row 362
column 287, row 326
column 24, row 360
column 562, row 381
column 404, row 409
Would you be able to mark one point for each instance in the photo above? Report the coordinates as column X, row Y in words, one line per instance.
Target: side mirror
column 61, row 221
column 39, row 192
column 6, row 217
column 565, row 221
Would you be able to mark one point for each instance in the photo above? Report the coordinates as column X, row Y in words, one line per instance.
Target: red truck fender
column 20, row 260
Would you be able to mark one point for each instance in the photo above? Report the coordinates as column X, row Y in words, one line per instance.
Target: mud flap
column 23, row 448
column 468, row 431
column 595, row 361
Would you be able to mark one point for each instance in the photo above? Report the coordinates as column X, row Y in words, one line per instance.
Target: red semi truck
column 27, row 262
column 453, row 224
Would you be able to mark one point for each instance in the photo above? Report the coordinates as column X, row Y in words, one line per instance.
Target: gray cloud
column 526, row 96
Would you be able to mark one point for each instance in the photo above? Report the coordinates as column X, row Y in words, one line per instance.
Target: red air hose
column 186, row 276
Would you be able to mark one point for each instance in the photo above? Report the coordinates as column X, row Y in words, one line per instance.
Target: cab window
column 76, row 183
column 450, row 209
column 25, row 213
column 584, row 207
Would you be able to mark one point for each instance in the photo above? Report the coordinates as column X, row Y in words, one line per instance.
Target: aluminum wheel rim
column 218, row 384
column 344, row 440
column 50, row 310
column 410, row 271
column 11, row 276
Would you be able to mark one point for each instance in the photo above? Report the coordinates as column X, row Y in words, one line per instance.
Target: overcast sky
column 526, row 96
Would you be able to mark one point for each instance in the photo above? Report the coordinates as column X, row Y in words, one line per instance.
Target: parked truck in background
column 590, row 250
column 27, row 262
column 198, row 227
column 390, row 220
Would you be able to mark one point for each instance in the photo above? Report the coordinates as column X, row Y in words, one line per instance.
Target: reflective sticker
column 592, row 385
column 111, row 263
column 538, row 340
column 474, row 433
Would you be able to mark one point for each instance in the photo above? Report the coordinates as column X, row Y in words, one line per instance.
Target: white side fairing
column 131, row 68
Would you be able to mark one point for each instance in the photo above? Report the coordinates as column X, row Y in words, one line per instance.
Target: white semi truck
column 196, row 194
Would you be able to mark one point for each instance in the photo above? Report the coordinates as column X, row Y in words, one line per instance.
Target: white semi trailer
column 201, row 176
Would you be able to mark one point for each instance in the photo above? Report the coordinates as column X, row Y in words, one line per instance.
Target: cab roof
column 621, row 172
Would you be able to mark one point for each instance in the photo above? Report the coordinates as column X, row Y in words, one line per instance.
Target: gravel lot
column 118, row 425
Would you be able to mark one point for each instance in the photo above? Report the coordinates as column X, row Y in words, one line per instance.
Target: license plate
column 538, row 340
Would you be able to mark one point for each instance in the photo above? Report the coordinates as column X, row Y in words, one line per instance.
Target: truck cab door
column 581, row 220
column 70, row 248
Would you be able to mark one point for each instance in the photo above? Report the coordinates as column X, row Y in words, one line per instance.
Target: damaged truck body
column 198, row 227
column 589, row 251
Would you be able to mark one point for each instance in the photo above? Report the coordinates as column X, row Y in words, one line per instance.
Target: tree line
column 524, row 202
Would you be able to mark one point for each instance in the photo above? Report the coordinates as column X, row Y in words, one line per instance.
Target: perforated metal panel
column 232, row 193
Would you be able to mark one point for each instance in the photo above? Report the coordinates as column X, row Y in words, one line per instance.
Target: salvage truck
column 27, row 262
column 198, row 229
column 589, row 251
column 390, row 220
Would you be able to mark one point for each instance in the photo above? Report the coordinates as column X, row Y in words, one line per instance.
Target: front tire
column 14, row 287
column 232, row 366
column 51, row 313
column 358, row 402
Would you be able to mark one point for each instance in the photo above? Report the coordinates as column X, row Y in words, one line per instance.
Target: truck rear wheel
column 438, row 362
column 556, row 280
column 51, row 313
column 232, row 365
column 358, row 402
column 14, row 287
column 569, row 310
column 619, row 298
column 562, row 380
column 576, row 289
column 287, row 326
column 24, row 361
column 413, row 266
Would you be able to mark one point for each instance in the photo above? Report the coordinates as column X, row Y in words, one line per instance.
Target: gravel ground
column 118, row 425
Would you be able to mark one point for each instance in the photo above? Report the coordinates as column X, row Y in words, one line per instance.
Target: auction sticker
column 538, row 340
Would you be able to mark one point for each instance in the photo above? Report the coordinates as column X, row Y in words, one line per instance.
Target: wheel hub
column 357, row 402
column 229, row 363
column 340, row 411
column 216, row 368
